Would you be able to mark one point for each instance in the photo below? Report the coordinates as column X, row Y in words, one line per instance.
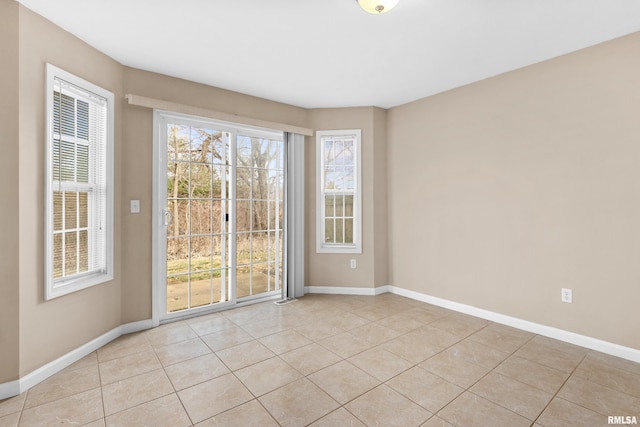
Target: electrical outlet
column 353, row 263
column 567, row 295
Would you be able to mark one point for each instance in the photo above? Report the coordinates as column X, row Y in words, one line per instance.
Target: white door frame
column 159, row 198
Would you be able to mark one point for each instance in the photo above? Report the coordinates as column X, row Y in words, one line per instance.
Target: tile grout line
column 171, row 382
column 560, row 388
column 104, row 411
column 468, row 389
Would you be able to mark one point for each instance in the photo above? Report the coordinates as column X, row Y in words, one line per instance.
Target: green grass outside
column 181, row 266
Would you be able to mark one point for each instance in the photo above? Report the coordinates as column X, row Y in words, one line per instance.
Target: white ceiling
column 330, row 53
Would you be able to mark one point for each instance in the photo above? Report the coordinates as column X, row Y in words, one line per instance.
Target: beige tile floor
column 329, row 360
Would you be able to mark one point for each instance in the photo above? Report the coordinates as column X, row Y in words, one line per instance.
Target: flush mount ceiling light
column 377, row 7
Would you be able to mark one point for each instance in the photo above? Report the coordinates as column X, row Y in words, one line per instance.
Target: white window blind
column 79, row 199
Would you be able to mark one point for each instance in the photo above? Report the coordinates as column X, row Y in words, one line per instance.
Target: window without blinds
column 78, row 204
column 339, row 192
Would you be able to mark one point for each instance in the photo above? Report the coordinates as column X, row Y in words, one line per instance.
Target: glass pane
column 84, row 251
column 243, row 151
column 260, row 184
column 329, row 205
column 70, row 253
column 339, row 205
column 347, row 178
column 273, row 183
column 259, row 247
column 84, row 209
column 174, row 175
column 243, row 281
column 200, row 253
column 279, row 183
column 68, row 115
column 217, row 218
column 57, row 211
column 348, row 205
column 262, row 151
column 201, row 216
column 273, row 218
column 276, row 155
column 200, row 289
column 177, row 293
column 179, row 214
column 217, row 174
column 274, row 277
column 83, row 163
column 330, row 178
column 345, row 155
column 260, row 215
column 273, row 245
column 259, row 278
column 216, row 252
column 348, row 231
column 243, row 183
column 57, row 256
column 328, row 153
column 339, row 230
column 177, row 255
column 200, row 145
column 200, row 181
column 328, row 231
column 70, row 210
column 243, row 248
column 243, row 215
column 338, row 148
column 67, row 161
column 178, row 143
column 82, row 116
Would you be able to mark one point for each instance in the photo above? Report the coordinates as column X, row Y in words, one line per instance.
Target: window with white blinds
column 79, row 199
column 339, row 219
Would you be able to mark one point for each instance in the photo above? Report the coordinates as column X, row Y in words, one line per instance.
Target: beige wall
column 49, row 330
column 505, row 191
column 334, row 269
column 137, row 154
column 137, row 166
column 380, row 202
column 9, row 213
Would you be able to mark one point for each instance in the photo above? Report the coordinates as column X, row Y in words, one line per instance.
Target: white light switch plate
column 135, row 206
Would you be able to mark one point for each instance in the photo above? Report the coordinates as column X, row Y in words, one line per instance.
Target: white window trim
column 81, row 281
column 321, row 246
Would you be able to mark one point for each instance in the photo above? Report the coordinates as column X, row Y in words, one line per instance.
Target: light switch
column 135, row 206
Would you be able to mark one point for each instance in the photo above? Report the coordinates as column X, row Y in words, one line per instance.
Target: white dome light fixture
column 377, row 7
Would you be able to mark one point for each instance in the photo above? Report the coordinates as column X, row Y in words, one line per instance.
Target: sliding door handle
column 167, row 217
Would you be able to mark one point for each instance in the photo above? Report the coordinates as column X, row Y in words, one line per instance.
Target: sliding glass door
column 221, row 205
column 259, row 192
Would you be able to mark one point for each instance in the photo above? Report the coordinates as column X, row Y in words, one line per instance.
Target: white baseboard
column 525, row 325
column 13, row 388
column 9, row 389
column 337, row 290
column 141, row 325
